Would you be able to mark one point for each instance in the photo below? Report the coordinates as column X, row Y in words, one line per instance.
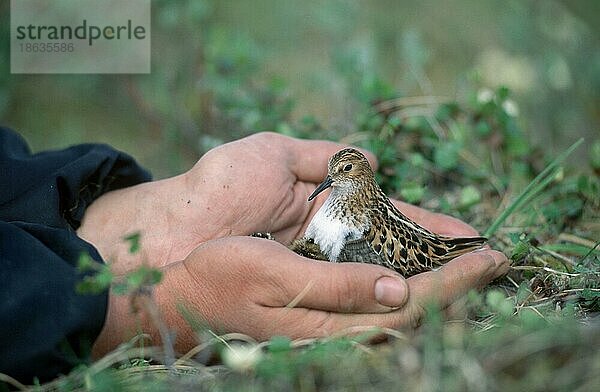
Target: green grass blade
column 534, row 187
column 538, row 188
column 572, row 249
column 591, row 251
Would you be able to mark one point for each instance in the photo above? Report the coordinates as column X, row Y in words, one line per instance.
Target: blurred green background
column 224, row 69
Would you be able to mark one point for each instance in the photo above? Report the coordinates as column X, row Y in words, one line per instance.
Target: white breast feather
column 330, row 233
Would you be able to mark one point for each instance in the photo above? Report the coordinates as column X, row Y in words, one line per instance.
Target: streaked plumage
column 358, row 223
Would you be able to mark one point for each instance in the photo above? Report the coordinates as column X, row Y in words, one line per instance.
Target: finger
column 309, row 164
column 301, row 323
column 296, row 281
column 294, row 213
column 453, row 280
column 457, row 310
column 308, row 158
column 442, row 287
column 438, row 223
column 343, row 288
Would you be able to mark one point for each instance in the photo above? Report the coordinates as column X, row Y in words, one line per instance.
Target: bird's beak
column 322, row 186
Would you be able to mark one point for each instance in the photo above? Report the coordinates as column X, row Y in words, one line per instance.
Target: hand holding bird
column 359, row 223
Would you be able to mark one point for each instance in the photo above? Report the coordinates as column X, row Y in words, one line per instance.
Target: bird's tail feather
column 456, row 246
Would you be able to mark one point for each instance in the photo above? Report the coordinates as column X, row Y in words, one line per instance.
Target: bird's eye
column 348, row 167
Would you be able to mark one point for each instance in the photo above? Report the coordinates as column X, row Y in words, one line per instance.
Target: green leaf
column 154, row 276
column 589, row 294
column 87, row 286
column 502, row 93
column 523, row 292
column 412, row 193
column 469, row 196
column 446, row 111
column 143, row 276
column 104, row 278
column 415, row 124
column 589, row 187
column 514, row 237
column 416, row 159
column 595, row 155
column 285, row 129
column 134, row 242
column 85, row 262
column 120, row 288
column 394, row 122
column 446, row 156
column 571, row 249
column 530, row 318
column 445, row 205
column 279, row 344
column 483, row 128
column 135, row 279
column 516, row 144
column 520, row 251
column 95, row 284
column 498, row 302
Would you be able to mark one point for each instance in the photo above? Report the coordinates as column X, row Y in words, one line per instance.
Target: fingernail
column 391, row 291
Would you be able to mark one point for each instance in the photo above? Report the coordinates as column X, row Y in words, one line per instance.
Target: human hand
column 259, row 183
column 256, row 184
column 260, row 288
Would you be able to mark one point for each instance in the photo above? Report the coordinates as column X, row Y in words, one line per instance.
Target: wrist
column 128, row 316
column 156, row 210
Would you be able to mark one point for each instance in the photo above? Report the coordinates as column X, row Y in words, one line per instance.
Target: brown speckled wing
column 396, row 242
column 380, row 247
column 360, row 251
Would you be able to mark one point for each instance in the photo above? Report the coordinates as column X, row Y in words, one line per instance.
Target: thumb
column 308, row 158
column 333, row 287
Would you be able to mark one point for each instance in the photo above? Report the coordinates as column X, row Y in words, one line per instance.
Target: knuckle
column 313, row 324
column 346, row 292
column 265, row 136
column 280, row 292
column 416, row 315
column 324, row 324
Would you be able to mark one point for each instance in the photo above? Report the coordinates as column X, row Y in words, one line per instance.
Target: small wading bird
column 358, row 223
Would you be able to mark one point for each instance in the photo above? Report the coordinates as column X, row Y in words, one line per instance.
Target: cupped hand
column 260, row 288
column 261, row 184
column 257, row 184
column 190, row 226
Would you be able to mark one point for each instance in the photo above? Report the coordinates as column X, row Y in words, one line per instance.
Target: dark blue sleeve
column 46, row 328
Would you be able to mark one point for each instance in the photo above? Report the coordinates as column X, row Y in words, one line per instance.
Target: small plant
column 99, row 277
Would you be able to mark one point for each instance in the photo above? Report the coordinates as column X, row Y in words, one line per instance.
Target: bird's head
column 348, row 170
